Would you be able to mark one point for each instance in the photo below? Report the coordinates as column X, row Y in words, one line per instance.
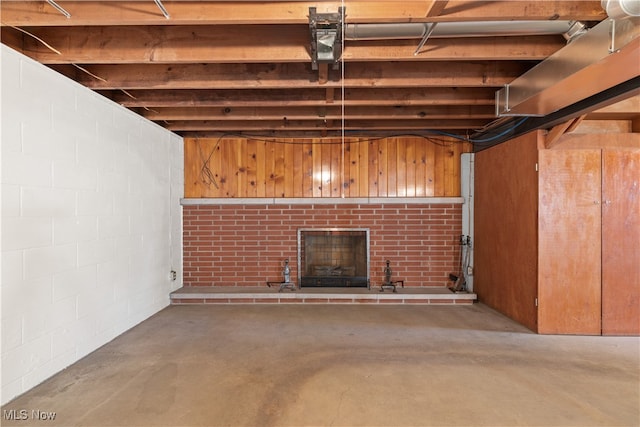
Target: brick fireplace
column 243, row 242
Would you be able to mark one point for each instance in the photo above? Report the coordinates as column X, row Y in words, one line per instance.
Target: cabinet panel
column 506, row 225
column 569, row 239
column 620, row 242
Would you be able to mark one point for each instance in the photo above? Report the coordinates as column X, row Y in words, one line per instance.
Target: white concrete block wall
column 91, row 221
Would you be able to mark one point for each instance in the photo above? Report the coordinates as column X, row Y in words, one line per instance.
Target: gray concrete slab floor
column 342, row 365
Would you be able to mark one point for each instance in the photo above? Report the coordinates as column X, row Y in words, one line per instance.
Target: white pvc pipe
column 455, row 29
column 621, row 8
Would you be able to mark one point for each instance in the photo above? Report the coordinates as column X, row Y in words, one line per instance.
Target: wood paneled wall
column 389, row 167
column 506, row 223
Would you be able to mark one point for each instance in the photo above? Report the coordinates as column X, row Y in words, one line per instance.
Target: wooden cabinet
column 589, row 242
column 569, row 248
column 558, row 250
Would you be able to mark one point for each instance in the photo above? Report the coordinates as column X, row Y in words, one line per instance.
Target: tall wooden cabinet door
column 569, row 242
column 621, row 243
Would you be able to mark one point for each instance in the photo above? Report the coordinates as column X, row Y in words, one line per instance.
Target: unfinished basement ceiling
column 205, row 68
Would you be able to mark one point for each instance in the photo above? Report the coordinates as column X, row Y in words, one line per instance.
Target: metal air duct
column 605, row 56
column 617, row 9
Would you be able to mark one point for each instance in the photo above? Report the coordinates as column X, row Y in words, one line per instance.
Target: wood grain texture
column 569, row 239
column 620, row 242
column 391, row 167
column 505, row 247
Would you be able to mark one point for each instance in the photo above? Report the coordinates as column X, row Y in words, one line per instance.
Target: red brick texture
column 245, row 245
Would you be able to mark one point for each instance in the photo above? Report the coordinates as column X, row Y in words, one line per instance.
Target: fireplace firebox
column 333, row 257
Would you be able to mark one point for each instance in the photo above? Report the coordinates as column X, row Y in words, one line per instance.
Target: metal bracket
column 502, row 101
column 59, row 8
column 425, row 38
column 326, row 37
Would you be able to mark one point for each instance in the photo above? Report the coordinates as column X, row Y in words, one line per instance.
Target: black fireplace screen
column 333, row 257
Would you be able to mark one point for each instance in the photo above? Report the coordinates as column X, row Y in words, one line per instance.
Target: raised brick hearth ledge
column 266, row 295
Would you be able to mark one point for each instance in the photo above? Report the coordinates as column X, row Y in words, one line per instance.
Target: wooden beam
column 575, row 123
column 323, row 73
column 290, row 76
column 609, row 140
column 297, row 125
column 330, row 95
column 306, row 134
column 256, row 44
column 437, row 7
column 322, row 112
column 553, row 136
column 628, row 109
column 91, row 13
column 303, row 97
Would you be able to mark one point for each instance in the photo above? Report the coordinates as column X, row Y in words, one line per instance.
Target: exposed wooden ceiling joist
column 243, row 66
column 108, row 13
column 333, row 112
column 295, row 75
column 303, row 125
column 258, row 43
column 302, row 97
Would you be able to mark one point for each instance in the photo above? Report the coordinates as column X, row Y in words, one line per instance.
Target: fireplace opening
column 333, row 257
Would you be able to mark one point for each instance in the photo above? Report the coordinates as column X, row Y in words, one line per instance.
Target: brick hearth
column 265, row 295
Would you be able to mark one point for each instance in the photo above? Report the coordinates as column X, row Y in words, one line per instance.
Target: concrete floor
column 343, row 365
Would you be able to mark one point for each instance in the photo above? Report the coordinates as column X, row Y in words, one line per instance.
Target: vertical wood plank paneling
column 215, row 165
column 192, row 162
column 392, row 167
column 241, row 171
column 373, row 151
column 451, row 168
column 336, row 168
column 383, row 170
column 363, row 166
column 270, row 170
column 421, row 167
column 289, row 169
column 298, row 169
column 439, row 169
column 317, row 168
column 456, row 175
column 430, row 168
column 252, row 168
column 401, row 166
column 347, row 180
column 261, row 169
column 410, row 167
column 307, row 162
column 228, row 160
column 325, row 169
column 278, row 174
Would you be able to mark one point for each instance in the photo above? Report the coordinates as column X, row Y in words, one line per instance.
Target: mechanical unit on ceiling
column 326, row 37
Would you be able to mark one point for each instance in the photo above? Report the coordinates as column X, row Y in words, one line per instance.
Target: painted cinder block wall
column 245, row 244
column 91, row 221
